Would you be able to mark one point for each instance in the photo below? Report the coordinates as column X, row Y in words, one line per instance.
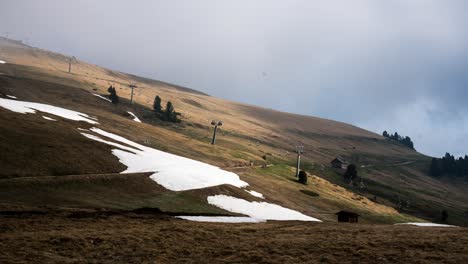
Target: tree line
column 449, row 166
column 168, row 114
column 406, row 141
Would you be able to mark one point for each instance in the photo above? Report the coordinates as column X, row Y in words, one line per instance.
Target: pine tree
column 465, row 166
column 385, row 134
column 435, row 168
column 113, row 95
column 157, row 105
column 170, row 114
column 169, row 110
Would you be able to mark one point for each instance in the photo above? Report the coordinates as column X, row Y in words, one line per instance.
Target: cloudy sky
column 398, row 65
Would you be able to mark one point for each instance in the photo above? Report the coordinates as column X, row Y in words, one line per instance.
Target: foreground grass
column 133, row 238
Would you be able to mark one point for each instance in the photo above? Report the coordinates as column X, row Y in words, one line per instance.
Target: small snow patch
column 135, row 118
column 48, row 118
column 259, row 210
column 427, row 224
column 222, row 219
column 30, row 107
column 2, row 62
column 102, row 97
column 256, row 194
column 11, row 96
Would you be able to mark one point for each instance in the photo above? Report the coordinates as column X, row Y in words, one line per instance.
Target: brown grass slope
column 248, row 133
column 136, row 238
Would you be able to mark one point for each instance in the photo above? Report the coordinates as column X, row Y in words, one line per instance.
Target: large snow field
column 135, row 118
column 222, row 219
column 171, row 171
column 427, row 224
column 258, row 210
column 30, row 107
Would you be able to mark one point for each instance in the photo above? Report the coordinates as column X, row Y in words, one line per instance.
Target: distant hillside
column 394, row 178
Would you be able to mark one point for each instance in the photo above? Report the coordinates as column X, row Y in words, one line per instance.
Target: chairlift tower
column 133, row 86
column 70, row 63
column 215, row 123
column 299, row 151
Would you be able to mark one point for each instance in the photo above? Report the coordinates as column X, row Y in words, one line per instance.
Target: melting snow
column 48, row 118
column 173, row 172
column 256, row 194
column 258, row 210
column 11, row 96
column 135, row 118
column 222, row 219
column 102, row 97
column 427, row 224
column 30, row 107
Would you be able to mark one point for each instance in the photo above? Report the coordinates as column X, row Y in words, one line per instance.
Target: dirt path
column 389, row 165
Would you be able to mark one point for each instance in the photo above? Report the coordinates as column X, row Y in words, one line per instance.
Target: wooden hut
column 339, row 163
column 347, row 217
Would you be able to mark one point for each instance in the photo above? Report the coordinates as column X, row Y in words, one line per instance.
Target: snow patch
column 258, row 210
column 2, row 62
column 135, row 118
column 48, row 118
column 171, row 171
column 256, row 194
column 11, row 96
column 30, row 107
column 427, row 224
column 102, row 97
column 222, row 219
column 96, row 138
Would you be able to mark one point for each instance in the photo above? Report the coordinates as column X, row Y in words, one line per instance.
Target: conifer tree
column 170, row 114
column 157, row 105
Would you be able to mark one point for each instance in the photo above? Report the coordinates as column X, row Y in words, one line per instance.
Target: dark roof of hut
column 348, row 213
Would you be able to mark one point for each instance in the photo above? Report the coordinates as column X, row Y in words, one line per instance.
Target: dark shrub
column 302, row 177
column 351, row 172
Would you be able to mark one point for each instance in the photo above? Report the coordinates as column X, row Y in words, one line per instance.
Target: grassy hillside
column 39, row 148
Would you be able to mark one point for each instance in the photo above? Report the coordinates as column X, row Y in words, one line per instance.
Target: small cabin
column 339, row 163
column 347, row 217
